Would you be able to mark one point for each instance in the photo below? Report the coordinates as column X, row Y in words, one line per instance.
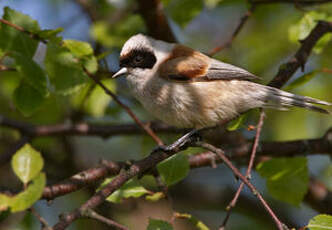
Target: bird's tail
column 278, row 99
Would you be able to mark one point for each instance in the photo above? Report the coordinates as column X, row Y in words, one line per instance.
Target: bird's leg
column 191, row 137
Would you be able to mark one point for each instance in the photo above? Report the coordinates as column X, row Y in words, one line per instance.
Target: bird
column 188, row 89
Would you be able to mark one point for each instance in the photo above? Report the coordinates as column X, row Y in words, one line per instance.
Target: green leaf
column 235, row 124
column 116, row 34
column 174, row 169
column 131, row 188
column 193, row 220
column 14, row 40
column 287, row 178
column 31, row 72
column 98, row 100
column 5, row 202
column 27, row 99
column 155, row 196
column 27, row 163
column 64, row 69
column 50, row 34
column 320, row 222
column 78, row 48
column 159, row 225
column 301, row 30
column 301, row 80
column 29, row 196
column 176, row 9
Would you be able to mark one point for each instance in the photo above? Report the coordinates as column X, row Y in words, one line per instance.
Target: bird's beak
column 121, row 72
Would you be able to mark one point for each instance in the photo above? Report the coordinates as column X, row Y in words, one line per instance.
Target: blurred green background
column 268, row 39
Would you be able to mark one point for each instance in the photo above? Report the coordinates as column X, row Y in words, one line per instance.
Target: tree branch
column 288, row 69
column 237, row 30
column 155, row 20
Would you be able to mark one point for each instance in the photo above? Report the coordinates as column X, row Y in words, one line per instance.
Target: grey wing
column 222, row 71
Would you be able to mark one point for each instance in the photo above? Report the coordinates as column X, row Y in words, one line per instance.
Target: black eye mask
column 140, row 58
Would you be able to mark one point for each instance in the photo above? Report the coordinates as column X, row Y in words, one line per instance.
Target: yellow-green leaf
column 131, row 188
column 320, row 222
column 29, row 196
column 27, row 163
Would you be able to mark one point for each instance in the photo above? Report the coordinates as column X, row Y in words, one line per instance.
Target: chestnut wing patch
column 188, row 65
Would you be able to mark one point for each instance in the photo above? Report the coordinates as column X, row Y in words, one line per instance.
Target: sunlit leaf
column 27, row 99
column 287, row 179
column 14, row 40
column 78, row 48
column 29, row 196
column 301, row 30
column 27, row 163
column 320, row 222
column 98, row 100
column 193, row 220
column 159, row 225
column 50, row 34
column 131, row 188
column 174, row 169
column 155, row 196
column 236, row 124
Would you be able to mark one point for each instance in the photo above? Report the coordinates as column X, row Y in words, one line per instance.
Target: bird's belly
column 184, row 105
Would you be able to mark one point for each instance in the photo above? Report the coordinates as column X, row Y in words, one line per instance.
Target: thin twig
column 248, row 173
column 237, row 173
column 94, row 215
column 127, row 109
column 237, row 30
column 20, row 28
column 43, row 222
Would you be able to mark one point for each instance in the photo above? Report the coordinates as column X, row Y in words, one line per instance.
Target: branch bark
column 155, row 20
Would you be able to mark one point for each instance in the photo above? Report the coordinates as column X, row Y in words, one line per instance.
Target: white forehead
column 140, row 41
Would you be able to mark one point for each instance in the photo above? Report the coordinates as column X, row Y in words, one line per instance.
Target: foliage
column 320, row 222
column 287, row 178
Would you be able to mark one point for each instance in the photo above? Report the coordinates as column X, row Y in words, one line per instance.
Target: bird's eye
column 138, row 58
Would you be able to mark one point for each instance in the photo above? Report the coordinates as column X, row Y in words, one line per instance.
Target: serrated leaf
column 235, row 124
column 320, row 222
column 174, row 169
column 287, row 179
column 301, row 30
column 192, row 7
column 301, row 80
column 27, row 99
column 14, row 40
column 193, row 220
column 155, row 224
column 31, row 72
column 131, row 188
column 98, row 100
column 27, row 163
column 29, row 196
column 64, row 69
